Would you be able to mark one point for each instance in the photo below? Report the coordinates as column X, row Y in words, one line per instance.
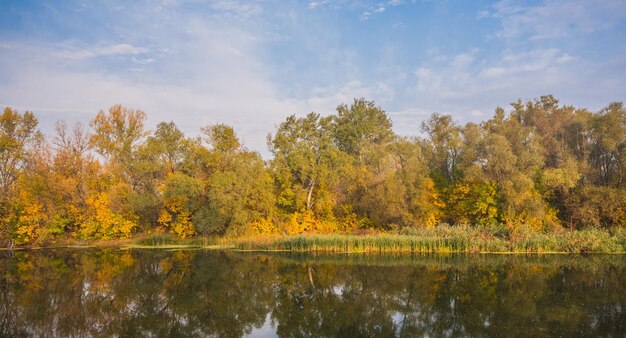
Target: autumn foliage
column 541, row 165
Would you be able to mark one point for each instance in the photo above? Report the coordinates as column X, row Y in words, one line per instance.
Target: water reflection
column 228, row 294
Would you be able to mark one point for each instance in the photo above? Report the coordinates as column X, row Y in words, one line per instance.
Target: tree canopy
column 538, row 164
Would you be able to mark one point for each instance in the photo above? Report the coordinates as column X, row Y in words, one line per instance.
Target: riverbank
column 441, row 239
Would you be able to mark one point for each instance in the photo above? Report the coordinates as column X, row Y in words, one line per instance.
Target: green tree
column 306, row 164
column 360, row 125
column 238, row 186
column 443, row 147
column 608, row 152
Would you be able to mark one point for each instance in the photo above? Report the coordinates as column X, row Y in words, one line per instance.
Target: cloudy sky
column 252, row 63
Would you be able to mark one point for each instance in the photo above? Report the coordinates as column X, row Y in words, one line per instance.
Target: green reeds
column 162, row 240
column 446, row 240
column 369, row 243
column 158, row 240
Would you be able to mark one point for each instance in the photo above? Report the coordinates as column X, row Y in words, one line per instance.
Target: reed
column 354, row 243
column 445, row 240
column 158, row 240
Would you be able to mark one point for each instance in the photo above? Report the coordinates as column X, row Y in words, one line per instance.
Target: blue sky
column 252, row 63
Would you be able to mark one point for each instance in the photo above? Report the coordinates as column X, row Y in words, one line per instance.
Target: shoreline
column 457, row 243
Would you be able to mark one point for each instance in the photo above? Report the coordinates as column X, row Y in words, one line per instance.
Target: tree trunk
column 310, row 195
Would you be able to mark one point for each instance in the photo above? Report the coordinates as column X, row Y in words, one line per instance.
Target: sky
column 252, row 63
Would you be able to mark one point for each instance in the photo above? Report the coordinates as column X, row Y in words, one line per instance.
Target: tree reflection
column 228, row 294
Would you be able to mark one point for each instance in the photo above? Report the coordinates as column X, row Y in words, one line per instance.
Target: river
column 196, row 293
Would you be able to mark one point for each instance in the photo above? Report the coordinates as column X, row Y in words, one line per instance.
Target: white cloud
column 526, row 62
column 250, row 105
column 555, row 18
column 111, row 50
column 200, row 63
column 493, row 72
column 470, row 87
column 196, row 72
column 317, row 4
column 143, row 61
column 462, row 60
column 565, row 58
column 244, row 9
column 325, row 99
column 459, row 74
column 407, row 122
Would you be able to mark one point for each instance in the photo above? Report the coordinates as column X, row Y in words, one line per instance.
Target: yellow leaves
column 429, row 205
column 307, row 222
column 165, row 217
column 183, row 226
column 431, row 219
column 437, row 201
column 103, row 222
column 178, row 190
column 30, row 221
column 260, row 227
column 295, row 226
column 350, row 222
column 179, row 222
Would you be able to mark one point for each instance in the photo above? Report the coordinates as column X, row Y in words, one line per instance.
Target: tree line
column 541, row 165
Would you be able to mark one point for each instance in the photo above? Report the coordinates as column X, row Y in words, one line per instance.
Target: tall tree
column 443, row 148
column 18, row 134
column 18, row 138
column 361, row 125
column 117, row 135
column 608, row 153
column 306, row 163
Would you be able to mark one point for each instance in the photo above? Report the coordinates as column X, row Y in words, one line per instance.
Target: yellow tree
column 18, row 136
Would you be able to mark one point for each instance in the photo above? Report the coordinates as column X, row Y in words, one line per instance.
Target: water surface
column 229, row 294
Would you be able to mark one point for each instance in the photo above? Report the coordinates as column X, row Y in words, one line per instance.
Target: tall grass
column 447, row 239
column 158, row 240
column 368, row 243
column 440, row 239
column 162, row 239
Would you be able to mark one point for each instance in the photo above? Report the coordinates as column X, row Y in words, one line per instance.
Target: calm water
column 229, row 294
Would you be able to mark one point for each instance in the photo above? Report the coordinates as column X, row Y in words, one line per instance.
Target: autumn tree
column 306, row 164
column 18, row 137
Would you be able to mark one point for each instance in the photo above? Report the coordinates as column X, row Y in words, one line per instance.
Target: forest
column 540, row 165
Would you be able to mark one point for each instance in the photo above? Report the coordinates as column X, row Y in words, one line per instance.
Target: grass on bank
column 440, row 239
column 167, row 241
column 444, row 239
